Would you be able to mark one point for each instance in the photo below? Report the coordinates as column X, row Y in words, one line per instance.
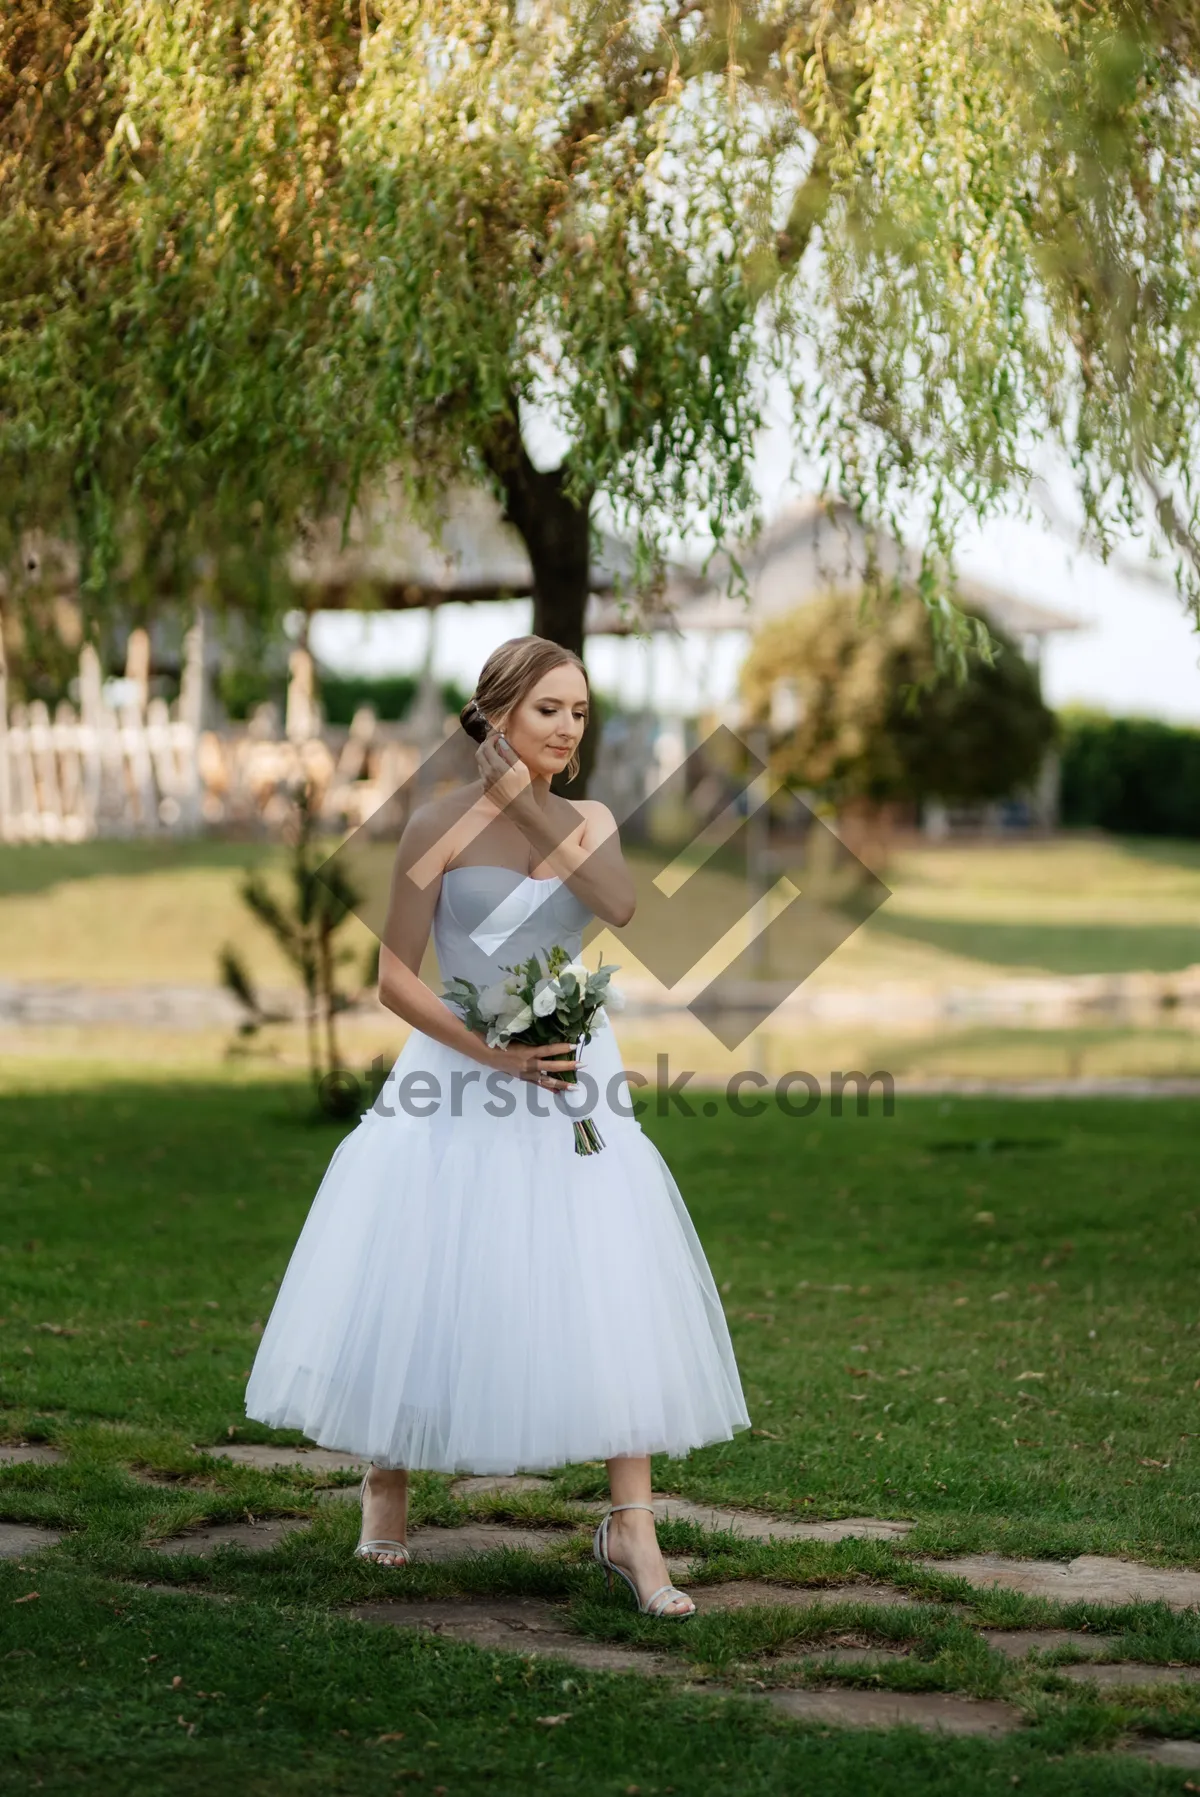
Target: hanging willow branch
column 255, row 252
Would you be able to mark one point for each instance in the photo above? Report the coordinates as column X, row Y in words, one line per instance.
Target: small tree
column 305, row 925
column 878, row 722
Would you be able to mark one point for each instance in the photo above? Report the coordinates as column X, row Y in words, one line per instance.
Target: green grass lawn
column 146, row 912
column 980, row 1315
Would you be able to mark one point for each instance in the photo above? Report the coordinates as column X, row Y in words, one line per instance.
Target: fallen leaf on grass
column 766, row 1434
column 1021, row 1376
column 28, row 1597
column 997, row 1296
column 380, row 1739
column 553, row 1721
column 1162, row 1463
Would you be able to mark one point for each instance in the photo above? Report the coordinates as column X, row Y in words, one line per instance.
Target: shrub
column 865, row 733
column 1131, row 775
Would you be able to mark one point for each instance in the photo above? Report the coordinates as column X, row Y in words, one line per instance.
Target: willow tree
column 254, row 252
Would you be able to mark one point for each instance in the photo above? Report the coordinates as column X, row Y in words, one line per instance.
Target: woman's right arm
column 411, row 905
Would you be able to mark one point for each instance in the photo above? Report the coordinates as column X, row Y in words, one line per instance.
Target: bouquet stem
column 588, row 1139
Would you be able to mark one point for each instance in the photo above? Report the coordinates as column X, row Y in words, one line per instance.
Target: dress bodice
column 489, row 918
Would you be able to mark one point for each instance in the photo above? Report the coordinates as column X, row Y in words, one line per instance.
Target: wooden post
column 192, row 686
column 91, row 708
column 24, row 782
column 45, row 773
column 301, row 717
column 67, row 735
column 137, row 667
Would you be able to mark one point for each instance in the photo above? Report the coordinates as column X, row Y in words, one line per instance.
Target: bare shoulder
column 599, row 823
column 434, row 823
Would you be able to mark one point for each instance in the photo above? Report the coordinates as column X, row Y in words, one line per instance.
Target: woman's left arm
column 588, row 860
column 590, row 863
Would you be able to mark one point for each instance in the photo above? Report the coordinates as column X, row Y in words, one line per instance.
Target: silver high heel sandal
column 370, row 1550
column 656, row 1603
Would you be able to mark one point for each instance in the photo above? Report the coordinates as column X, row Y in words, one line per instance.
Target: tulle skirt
column 468, row 1294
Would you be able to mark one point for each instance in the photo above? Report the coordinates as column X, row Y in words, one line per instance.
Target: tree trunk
column 557, row 534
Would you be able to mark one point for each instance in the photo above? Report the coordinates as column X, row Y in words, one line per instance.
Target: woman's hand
column 537, row 1062
column 507, row 781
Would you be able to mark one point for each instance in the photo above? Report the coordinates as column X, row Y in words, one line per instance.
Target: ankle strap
column 615, row 1507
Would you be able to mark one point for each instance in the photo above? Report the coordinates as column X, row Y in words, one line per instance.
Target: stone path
column 1017, row 1643
column 18, row 1539
column 251, row 1453
column 1128, row 1672
column 1092, row 1577
column 520, row 1625
column 1165, row 1753
column 534, row 1626
column 751, row 1526
column 931, row 1710
column 740, row 1594
column 256, row 1537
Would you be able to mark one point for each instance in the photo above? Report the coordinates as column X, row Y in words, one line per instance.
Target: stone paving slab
column 256, row 1537
column 517, row 1625
column 487, row 1484
column 1165, row 1753
column 755, row 1526
column 1016, row 1643
column 1130, row 1672
column 20, row 1538
column 29, row 1453
column 739, row 1594
column 1092, row 1578
column 427, row 1544
column 841, row 1656
column 252, row 1453
column 933, row 1711
column 482, row 1538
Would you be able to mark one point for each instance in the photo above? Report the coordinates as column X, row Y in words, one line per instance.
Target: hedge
column 1133, row 776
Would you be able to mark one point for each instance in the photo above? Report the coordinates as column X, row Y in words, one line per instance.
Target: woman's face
column 546, row 726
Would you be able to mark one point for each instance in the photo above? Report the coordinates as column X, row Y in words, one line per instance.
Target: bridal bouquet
column 562, row 1002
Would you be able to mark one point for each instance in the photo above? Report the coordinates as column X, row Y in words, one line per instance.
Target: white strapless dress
column 468, row 1294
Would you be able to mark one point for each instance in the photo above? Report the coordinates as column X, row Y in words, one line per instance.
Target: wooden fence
column 143, row 768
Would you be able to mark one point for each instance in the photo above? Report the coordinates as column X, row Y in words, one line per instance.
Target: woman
column 468, row 1293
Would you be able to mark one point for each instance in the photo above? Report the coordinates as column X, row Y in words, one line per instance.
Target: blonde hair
column 512, row 670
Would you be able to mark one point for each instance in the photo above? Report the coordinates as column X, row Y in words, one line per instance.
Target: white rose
column 579, row 969
column 492, row 1000
column 545, row 1001
column 520, row 1021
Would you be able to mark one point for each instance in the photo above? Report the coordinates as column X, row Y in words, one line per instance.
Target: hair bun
column 473, row 721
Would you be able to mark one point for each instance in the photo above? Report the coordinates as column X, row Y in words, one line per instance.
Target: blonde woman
column 468, row 1293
